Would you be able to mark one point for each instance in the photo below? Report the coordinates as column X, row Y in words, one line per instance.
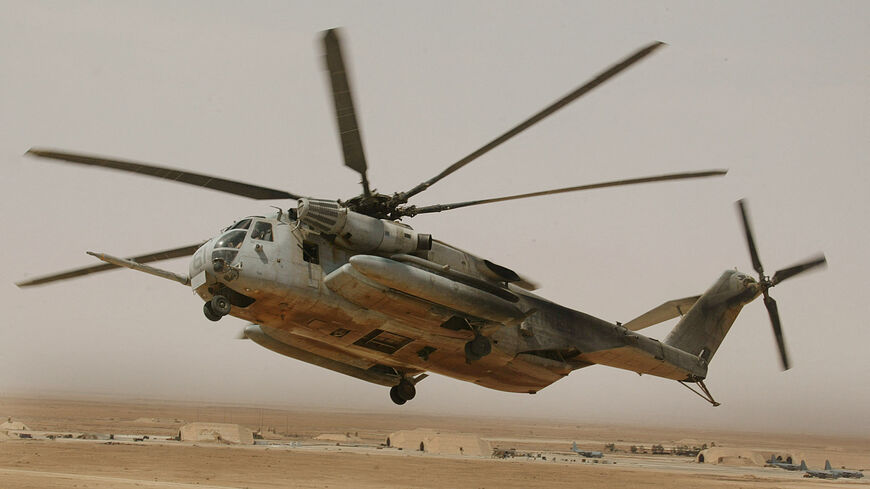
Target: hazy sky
column 776, row 92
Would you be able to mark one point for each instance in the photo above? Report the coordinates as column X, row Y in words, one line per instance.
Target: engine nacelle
column 359, row 232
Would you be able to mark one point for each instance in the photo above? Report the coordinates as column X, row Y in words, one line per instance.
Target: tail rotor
column 766, row 282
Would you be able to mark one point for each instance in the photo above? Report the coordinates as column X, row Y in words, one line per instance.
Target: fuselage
column 385, row 316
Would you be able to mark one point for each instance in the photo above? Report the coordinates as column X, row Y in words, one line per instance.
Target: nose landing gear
column 218, row 307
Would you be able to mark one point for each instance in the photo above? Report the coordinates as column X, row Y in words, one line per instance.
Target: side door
column 305, row 258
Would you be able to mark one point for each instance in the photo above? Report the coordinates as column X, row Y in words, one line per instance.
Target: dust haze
column 775, row 92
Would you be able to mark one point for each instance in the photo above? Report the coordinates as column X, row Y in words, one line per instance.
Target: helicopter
column 348, row 286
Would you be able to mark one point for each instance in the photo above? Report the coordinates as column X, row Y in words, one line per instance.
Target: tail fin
column 803, row 465
column 703, row 328
column 827, row 465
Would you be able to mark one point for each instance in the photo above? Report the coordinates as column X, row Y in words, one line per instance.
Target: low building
column 338, row 438
column 216, row 432
column 736, row 456
column 10, row 425
column 440, row 442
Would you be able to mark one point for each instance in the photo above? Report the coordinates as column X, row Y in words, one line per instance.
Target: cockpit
column 227, row 246
column 231, row 239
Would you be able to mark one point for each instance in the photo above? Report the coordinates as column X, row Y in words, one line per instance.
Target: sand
column 165, row 464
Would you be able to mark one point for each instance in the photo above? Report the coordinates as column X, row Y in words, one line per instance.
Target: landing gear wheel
column 394, row 395
column 477, row 348
column 220, row 305
column 481, row 346
column 406, row 390
column 211, row 315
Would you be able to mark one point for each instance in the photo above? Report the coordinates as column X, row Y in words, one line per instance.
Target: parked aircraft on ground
column 787, row 465
column 849, row 474
column 585, row 453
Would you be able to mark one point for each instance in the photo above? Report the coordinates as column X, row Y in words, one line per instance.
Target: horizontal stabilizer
column 662, row 313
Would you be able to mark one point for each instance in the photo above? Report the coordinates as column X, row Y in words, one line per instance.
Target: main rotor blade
column 793, row 270
column 615, row 183
column 773, row 312
column 150, row 257
column 348, row 128
column 574, row 95
column 190, row 178
column 747, row 229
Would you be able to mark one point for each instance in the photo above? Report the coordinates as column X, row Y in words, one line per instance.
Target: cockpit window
column 262, row 231
column 243, row 224
column 231, row 239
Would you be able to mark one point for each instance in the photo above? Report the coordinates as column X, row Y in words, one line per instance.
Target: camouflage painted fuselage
column 382, row 318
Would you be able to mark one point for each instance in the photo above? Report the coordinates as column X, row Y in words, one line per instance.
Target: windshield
column 243, row 224
column 231, row 239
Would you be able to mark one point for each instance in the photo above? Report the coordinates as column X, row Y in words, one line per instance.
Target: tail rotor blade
column 747, row 228
column 348, row 128
column 765, row 283
column 791, row 271
column 773, row 312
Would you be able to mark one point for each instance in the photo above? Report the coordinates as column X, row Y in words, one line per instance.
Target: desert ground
column 289, row 455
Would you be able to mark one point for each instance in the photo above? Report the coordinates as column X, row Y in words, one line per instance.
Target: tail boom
column 688, row 349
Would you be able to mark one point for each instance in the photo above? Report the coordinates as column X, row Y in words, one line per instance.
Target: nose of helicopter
column 200, row 265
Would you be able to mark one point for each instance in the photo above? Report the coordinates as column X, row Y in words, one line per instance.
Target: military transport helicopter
column 344, row 284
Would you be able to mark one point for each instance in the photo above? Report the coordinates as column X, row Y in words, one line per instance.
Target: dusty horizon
column 345, row 449
column 776, row 92
column 156, row 400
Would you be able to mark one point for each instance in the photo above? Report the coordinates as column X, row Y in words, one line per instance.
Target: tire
column 406, row 390
column 481, row 346
column 209, row 314
column 220, row 305
column 469, row 354
column 394, row 395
